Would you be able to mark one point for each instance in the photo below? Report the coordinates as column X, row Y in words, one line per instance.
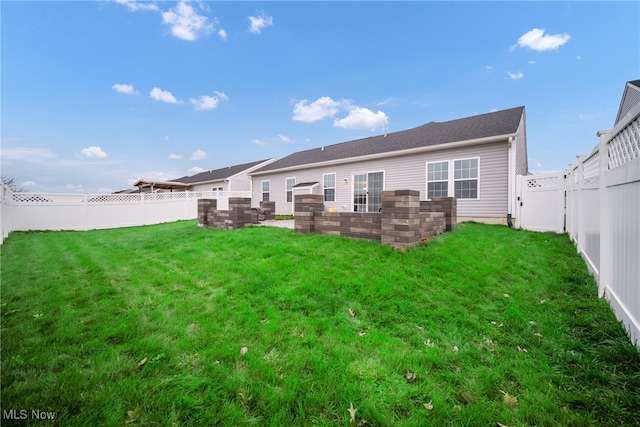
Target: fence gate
column 540, row 202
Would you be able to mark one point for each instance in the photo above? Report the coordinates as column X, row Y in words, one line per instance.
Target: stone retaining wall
column 403, row 221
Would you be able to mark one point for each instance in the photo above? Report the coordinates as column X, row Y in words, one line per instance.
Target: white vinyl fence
column 39, row 211
column 603, row 217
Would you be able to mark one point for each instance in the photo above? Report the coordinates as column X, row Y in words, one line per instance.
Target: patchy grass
column 179, row 325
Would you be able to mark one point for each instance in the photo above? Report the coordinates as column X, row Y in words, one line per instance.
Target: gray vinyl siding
column 405, row 172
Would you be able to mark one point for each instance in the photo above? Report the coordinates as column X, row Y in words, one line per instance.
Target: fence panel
column 603, row 217
column 39, row 211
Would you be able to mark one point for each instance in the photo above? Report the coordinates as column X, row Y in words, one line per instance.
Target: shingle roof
column 498, row 123
column 218, row 174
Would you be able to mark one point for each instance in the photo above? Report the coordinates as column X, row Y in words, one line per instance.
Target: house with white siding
column 228, row 179
column 475, row 159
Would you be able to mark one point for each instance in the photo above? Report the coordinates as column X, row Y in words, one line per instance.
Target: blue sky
column 98, row 94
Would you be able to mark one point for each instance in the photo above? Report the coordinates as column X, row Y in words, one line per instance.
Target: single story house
column 475, row 159
column 227, row 179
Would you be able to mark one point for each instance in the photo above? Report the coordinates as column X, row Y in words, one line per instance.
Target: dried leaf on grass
column 352, row 413
column 362, row 333
column 429, row 405
column 352, row 313
column 410, row 376
column 522, row 349
column 428, row 343
column 243, row 351
column 509, row 400
column 142, row 362
column 465, row 397
column 132, row 416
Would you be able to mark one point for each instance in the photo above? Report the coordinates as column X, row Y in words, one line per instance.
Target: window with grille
column 437, row 179
column 465, row 178
column 329, row 184
column 290, row 183
column 265, row 190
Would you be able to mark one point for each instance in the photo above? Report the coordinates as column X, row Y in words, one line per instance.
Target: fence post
column 606, row 228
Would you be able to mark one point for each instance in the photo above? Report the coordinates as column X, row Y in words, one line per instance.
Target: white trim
column 438, row 147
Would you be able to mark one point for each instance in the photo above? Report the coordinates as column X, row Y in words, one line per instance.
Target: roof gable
column 630, row 98
column 218, row 174
column 498, row 123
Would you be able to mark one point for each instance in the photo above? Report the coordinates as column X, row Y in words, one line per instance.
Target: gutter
column 438, row 147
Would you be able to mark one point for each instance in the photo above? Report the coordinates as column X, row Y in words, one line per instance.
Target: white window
column 437, row 179
column 329, row 184
column 265, row 190
column 290, row 183
column 465, row 178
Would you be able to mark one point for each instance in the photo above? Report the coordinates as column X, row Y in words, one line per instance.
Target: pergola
column 160, row 185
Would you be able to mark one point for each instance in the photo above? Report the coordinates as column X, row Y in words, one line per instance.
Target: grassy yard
column 179, row 325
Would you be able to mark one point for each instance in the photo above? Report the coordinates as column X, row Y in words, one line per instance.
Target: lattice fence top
column 543, row 182
column 591, row 169
column 105, row 199
column 625, row 145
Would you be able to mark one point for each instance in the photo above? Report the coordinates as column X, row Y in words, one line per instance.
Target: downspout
column 511, row 180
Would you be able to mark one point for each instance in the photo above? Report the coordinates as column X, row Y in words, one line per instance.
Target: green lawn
column 179, row 325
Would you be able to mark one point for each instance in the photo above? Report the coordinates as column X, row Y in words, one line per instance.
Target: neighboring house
column 630, row 98
column 229, row 179
column 475, row 159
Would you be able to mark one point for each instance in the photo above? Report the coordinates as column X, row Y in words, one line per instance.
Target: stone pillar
column 204, row 207
column 448, row 205
column 305, row 207
column 239, row 211
column 400, row 218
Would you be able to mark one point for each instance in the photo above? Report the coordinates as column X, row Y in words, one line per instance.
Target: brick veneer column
column 204, row 206
column 400, row 218
column 305, row 207
column 239, row 211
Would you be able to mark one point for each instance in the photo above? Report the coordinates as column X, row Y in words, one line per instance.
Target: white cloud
column 537, row 40
column 124, row 88
column 362, row 118
column 196, row 169
column 28, row 184
column 278, row 138
column 94, row 152
column 578, row 57
column 222, row 34
column 514, row 76
column 163, row 95
column 135, row 6
column 29, row 154
column 488, row 68
column 207, row 102
column 284, row 138
column 260, row 22
column 173, row 156
column 319, row 109
column 198, row 155
column 532, row 62
column 79, row 188
column 186, row 23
